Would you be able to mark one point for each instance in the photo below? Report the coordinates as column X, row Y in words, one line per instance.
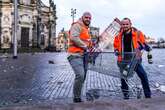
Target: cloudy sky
column 146, row 15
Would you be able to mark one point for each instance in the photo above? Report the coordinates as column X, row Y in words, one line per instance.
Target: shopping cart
column 106, row 63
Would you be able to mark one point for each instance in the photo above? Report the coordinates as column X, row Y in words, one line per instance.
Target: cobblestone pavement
column 143, row 104
column 45, row 77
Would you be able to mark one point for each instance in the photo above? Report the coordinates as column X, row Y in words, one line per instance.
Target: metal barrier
column 106, row 63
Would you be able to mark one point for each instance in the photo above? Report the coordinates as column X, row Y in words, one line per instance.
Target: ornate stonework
column 5, row 38
column 30, row 20
column 25, row 2
column 26, row 18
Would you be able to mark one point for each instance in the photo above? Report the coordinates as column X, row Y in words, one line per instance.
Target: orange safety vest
column 84, row 36
column 137, row 36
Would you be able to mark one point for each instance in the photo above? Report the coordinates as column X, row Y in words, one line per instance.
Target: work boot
column 77, row 100
column 148, row 96
column 126, row 96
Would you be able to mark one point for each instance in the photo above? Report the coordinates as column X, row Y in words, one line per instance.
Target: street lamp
column 73, row 13
column 15, row 28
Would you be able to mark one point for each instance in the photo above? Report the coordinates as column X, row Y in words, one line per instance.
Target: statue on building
column 5, row 40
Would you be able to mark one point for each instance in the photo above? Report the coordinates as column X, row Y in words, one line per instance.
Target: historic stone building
column 94, row 32
column 36, row 24
column 62, row 41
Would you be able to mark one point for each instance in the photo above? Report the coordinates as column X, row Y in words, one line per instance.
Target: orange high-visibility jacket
column 137, row 36
column 84, row 36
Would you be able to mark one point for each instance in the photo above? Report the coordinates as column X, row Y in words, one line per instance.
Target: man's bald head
column 86, row 18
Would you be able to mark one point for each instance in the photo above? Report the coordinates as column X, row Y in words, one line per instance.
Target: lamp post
column 73, row 13
column 15, row 28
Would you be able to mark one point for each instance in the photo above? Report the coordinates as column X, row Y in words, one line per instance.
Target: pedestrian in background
column 130, row 40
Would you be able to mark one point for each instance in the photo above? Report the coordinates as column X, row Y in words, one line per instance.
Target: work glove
column 147, row 47
column 93, row 53
column 94, row 49
column 116, row 53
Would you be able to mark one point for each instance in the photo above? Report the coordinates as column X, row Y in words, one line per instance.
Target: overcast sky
column 146, row 15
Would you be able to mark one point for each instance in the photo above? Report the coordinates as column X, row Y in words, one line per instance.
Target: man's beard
column 87, row 23
column 127, row 30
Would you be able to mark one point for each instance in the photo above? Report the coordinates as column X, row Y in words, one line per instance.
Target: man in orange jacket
column 130, row 40
column 79, row 42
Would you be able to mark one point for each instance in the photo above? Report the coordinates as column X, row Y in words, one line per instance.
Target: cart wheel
column 139, row 93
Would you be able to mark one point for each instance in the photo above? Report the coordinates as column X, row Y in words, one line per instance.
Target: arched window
column 33, row 1
column 25, row 2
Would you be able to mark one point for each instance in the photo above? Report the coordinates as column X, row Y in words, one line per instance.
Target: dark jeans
column 144, row 80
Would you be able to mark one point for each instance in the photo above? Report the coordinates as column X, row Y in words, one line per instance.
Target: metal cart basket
column 106, row 63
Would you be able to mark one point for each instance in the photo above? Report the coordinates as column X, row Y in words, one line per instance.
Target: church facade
column 36, row 24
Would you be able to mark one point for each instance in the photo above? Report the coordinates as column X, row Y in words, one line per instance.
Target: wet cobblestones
column 48, row 77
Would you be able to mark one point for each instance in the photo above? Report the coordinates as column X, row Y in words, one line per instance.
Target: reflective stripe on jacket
column 84, row 36
column 137, row 37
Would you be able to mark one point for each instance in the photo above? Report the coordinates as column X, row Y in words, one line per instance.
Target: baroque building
column 62, row 41
column 36, row 24
column 94, row 32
